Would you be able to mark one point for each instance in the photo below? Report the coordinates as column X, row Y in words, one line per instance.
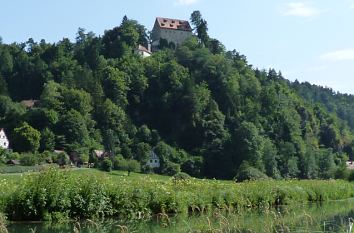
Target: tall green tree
column 26, row 138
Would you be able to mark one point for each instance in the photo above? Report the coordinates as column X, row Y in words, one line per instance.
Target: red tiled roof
column 175, row 24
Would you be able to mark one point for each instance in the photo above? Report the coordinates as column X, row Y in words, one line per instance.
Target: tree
column 111, row 116
column 106, row 165
column 270, row 159
column 292, row 167
column 110, row 141
column 133, row 166
column 73, row 127
column 122, row 40
column 3, row 86
column 78, row 100
column 26, row 138
column 326, row 164
column 201, row 26
column 251, row 144
column 143, row 151
column 115, row 85
column 6, row 60
column 193, row 166
column 47, row 140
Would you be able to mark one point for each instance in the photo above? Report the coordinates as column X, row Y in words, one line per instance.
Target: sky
column 307, row 40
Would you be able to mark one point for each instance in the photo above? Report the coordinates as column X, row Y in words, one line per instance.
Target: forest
column 203, row 110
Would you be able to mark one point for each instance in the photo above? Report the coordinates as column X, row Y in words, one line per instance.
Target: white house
column 350, row 165
column 143, row 52
column 4, row 142
column 172, row 30
column 154, row 160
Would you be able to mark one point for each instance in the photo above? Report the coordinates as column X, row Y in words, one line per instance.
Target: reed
column 61, row 195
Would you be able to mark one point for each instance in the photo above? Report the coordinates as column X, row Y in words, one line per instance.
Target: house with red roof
column 174, row 31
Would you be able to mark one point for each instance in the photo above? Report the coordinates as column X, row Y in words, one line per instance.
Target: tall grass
column 3, row 228
column 56, row 195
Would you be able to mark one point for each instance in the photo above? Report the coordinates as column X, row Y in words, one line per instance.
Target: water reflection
column 324, row 217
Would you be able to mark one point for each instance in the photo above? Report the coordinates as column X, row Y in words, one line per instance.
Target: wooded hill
column 203, row 109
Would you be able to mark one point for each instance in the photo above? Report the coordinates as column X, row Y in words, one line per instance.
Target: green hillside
column 204, row 110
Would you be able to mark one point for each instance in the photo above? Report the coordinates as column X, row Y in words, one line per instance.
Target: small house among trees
column 154, row 160
column 350, row 165
column 172, row 31
column 4, row 142
column 100, row 154
column 30, row 103
column 143, row 51
column 13, row 162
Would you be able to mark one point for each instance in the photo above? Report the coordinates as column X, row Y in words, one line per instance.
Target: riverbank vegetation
column 90, row 194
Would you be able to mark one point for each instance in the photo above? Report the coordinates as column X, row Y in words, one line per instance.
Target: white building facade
column 172, row 30
column 4, row 142
column 154, row 160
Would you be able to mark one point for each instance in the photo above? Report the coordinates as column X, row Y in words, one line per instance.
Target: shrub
column 170, row 168
column 341, row 173
column 193, row 166
column 181, row 176
column 28, row 159
column 13, row 155
column 351, row 175
column 106, row 165
column 61, row 159
column 133, row 166
column 118, row 162
column 247, row 172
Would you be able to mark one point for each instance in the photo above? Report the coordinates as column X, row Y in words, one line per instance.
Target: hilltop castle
column 174, row 31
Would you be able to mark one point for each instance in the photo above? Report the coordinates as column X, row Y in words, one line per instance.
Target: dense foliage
column 205, row 111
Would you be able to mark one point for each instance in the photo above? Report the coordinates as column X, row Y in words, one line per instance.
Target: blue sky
column 308, row 40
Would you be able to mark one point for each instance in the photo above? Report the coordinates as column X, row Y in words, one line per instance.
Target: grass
column 303, row 218
column 22, row 169
column 92, row 194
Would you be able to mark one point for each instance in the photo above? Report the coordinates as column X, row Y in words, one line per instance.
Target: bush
column 61, row 159
column 119, row 163
column 133, row 166
column 247, row 172
column 46, row 156
column 193, row 166
column 170, row 168
column 28, row 159
column 341, row 172
column 181, row 176
column 106, row 165
column 13, row 155
column 351, row 175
